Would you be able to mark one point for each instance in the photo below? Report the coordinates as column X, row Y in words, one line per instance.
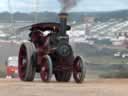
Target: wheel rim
column 22, row 62
column 77, row 69
column 44, row 72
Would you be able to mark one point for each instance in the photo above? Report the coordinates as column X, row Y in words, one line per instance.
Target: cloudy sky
column 54, row 5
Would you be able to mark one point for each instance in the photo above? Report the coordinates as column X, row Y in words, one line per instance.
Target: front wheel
column 46, row 69
column 79, row 70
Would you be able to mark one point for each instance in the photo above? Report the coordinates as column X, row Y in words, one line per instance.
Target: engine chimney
column 63, row 23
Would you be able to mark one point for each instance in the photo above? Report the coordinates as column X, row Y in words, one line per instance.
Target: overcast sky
column 54, row 5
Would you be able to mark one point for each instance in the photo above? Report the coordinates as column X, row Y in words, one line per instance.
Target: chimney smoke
column 68, row 4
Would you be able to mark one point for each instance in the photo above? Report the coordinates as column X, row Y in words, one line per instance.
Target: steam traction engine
column 50, row 54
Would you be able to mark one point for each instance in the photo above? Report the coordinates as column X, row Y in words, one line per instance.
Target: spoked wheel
column 79, row 70
column 63, row 76
column 25, row 64
column 46, row 69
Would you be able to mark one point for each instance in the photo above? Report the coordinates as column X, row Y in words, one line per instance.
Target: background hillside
column 74, row 16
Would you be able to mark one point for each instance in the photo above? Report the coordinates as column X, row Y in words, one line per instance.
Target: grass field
column 99, row 55
column 2, row 70
column 106, row 60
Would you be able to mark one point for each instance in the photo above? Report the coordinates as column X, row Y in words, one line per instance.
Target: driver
column 37, row 36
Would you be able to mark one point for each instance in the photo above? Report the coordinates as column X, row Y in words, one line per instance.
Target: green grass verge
column 121, row 74
column 2, row 70
column 106, row 60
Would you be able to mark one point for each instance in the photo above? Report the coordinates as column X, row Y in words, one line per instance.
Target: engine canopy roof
column 48, row 26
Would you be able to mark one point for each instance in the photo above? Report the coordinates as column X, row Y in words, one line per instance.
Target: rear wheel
column 46, row 69
column 79, row 70
column 25, row 64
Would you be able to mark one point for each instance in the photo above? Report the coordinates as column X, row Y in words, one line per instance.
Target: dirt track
column 88, row 88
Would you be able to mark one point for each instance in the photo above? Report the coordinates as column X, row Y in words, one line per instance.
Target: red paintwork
column 77, row 68
column 42, row 47
column 21, row 66
column 44, row 71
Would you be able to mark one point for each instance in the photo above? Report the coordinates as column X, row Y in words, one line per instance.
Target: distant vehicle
column 12, row 67
column 121, row 40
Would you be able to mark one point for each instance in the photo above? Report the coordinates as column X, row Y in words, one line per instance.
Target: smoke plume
column 68, row 4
